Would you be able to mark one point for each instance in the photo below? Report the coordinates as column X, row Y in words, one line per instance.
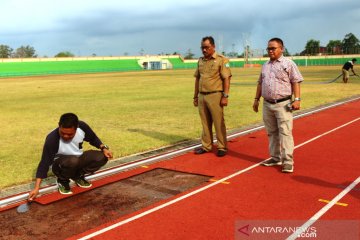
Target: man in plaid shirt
column 279, row 80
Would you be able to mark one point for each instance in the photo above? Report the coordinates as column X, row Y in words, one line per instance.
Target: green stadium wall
column 50, row 66
column 36, row 68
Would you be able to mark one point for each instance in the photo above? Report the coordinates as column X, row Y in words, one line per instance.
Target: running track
column 326, row 164
column 326, row 167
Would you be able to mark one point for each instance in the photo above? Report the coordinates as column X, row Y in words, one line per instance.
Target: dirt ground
column 81, row 212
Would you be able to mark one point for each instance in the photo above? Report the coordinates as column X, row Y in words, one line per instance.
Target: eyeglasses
column 205, row 47
column 271, row 49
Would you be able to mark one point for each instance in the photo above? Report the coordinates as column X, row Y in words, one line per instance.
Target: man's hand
column 296, row 105
column 256, row 105
column 224, row 102
column 35, row 191
column 196, row 102
column 33, row 194
column 107, row 153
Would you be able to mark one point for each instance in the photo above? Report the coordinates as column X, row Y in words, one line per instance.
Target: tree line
column 26, row 52
column 21, row 52
column 349, row 45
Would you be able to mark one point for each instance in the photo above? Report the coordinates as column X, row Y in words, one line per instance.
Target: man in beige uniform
column 212, row 83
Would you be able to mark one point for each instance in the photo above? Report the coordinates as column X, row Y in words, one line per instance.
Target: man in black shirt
column 63, row 150
column 347, row 66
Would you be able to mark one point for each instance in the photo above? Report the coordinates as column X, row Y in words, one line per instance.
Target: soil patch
column 84, row 211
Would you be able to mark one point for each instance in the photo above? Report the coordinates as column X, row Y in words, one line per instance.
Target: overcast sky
column 115, row 27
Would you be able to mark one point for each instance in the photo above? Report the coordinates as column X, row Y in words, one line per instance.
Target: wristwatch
column 104, row 147
column 225, row 95
column 297, row 99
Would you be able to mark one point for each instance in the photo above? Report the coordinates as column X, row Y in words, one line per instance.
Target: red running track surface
column 323, row 168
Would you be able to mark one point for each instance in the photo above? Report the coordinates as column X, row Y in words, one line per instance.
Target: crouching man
column 63, row 150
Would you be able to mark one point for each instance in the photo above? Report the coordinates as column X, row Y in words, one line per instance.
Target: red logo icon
column 245, row 230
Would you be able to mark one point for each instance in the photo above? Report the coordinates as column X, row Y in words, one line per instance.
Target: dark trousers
column 73, row 167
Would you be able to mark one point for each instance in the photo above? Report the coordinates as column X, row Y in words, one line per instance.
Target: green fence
column 178, row 63
column 38, row 68
column 11, row 69
column 322, row 61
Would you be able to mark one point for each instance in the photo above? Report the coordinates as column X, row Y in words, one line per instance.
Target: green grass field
column 130, row 111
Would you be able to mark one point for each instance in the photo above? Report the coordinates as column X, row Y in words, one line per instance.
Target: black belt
column 207, row 93
column 274, row 101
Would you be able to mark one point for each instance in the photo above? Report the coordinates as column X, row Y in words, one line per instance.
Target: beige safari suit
column 211, row 74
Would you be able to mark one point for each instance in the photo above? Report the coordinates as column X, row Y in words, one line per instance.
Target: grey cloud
column 179, row 25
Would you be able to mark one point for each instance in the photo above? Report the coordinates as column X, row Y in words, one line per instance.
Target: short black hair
column 354, row 60
column 210, row 38
column 278, row 40
column 69, row 120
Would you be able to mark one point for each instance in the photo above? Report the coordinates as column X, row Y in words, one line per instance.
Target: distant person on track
column 345, row 69
column 279, row 80
column 63, row 150
column 212, row 84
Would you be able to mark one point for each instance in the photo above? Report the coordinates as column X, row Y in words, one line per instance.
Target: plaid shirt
column 276, row 78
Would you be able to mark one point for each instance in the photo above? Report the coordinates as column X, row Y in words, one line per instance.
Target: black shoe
column 221, row 153
column 272, row 162
column 200, row 151
column 64, row 187
column 287, row 168
column 81, row 182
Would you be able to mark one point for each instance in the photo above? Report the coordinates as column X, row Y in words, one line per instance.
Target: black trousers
column 73, row 167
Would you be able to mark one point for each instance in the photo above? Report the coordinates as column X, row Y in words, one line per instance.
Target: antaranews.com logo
column 283, row 229
column 248, row 230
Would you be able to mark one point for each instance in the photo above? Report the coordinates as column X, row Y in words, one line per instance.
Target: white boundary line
column 21, row 197
column 319, row 136
column 322, row 211
column 297, row 116
column 204, row 188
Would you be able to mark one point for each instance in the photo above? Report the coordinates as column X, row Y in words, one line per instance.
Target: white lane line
column 297, row 116
column 322, row 211
column 201, row 189
column 321, row 135
column 166, row 204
